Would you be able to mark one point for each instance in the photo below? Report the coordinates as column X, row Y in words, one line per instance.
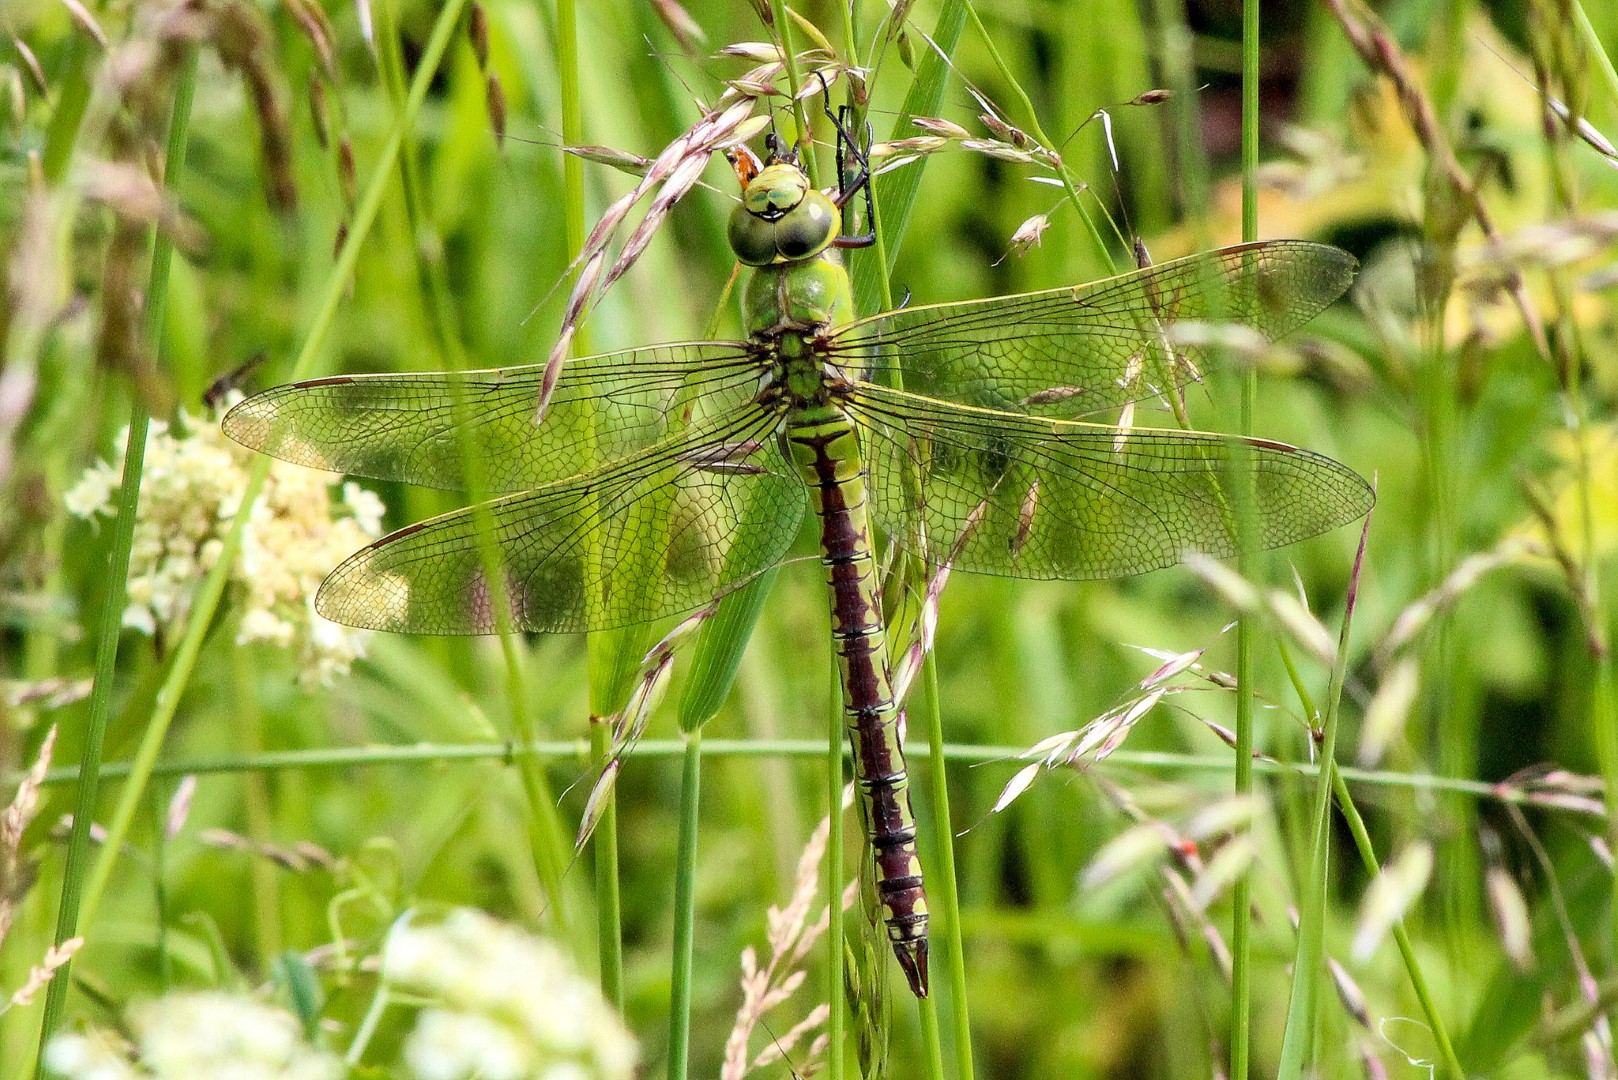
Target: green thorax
column 788, row 305
column 784, row 229
column 805, row 296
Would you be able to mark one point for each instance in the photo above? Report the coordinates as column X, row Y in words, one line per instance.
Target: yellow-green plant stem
column 1367, row 853
column 546, row 842
column 685, row 902
column 836, row 743
column 789, row 61
column 206, row 600
column 1596, row 49
column 895, row 193
column 606, row 650
column 1311, row 947
column 945, row 892
column 1241, row 936
column 943, row 833
column 72, row 904
column 1401, row 937
column 267, row 922
column 73, row 97
column 578, row 751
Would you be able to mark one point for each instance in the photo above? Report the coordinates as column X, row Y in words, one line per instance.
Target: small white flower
column 466, row 1046
column 93, row 493
column 199, row 1034
column 521, row 991
column 87, row 1057
column 366, row 507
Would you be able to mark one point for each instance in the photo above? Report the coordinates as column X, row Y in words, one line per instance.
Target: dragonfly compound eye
column 808, row 229
column 801, row 233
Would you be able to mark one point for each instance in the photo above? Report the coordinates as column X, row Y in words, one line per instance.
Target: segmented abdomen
column 827, row 453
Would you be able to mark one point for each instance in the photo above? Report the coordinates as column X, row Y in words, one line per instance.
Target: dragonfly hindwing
column 1025, row 496
column 660, row 532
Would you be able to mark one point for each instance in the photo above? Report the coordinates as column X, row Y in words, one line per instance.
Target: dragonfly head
column 782, row 218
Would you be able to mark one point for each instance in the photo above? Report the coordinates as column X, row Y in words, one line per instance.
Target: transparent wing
column 662, row 531
column 1031, row 497
column 1075, row 351
column 410, row 427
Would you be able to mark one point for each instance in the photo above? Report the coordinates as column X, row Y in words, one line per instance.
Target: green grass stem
column 1030, row 116
column 73, row 98
column 896, row 192
column 1401, row 936
column 76, row 901
column 685, row 905
column 944, row 887
column 1368, row 859
column 608, row 651
column 1597, row 50
column 836, row 746
column 1308, row 961
column 578, row 751
column 546, row 839
column 1241, row 934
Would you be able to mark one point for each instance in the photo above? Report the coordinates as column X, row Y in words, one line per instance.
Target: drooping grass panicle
column 790, row 935
column 14, row 821
column 667, row 179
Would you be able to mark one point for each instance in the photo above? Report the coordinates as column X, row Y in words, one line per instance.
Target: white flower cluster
column 190, row 490
column 198, row 1034
column 504, row 1005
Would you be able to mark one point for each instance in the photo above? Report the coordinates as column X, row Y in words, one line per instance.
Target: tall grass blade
column 1308, row 960
column 685, row 907
column 1241, row 947
column 117, row 575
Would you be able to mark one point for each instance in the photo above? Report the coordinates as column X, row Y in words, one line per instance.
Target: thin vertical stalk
column 605, row 650
column 546, row 843
column 117, row 575
column 73, row 98
column 1368, row 859
column 945, row 876
column 896, row 192
column 256, row 804
column 835, row 978
column 609, row 898
column 1568, row 351
column 789, row 60
column 1401, row 937
column 1031, row 117
column 1311, row 950
column 945, row 889
column 685, row 903
column 1596, row 49
column 835, row 991
column 1241, row 937
column 206, row 601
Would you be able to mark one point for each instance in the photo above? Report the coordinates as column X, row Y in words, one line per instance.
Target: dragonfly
column 657, row 479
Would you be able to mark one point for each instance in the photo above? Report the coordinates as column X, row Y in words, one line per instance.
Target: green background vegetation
column 1457, row 415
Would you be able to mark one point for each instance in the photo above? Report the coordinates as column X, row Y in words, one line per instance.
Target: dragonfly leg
column 849, row 148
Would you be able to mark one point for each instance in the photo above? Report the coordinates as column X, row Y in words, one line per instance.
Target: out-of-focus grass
column 1063, row 981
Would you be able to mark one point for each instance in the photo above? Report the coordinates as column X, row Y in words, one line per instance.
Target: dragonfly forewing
column 661, row 532
column 1031, row 497
column 423, row 428
column 1078, row 351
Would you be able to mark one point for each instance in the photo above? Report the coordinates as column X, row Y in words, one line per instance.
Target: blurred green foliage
column 1454, row 414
